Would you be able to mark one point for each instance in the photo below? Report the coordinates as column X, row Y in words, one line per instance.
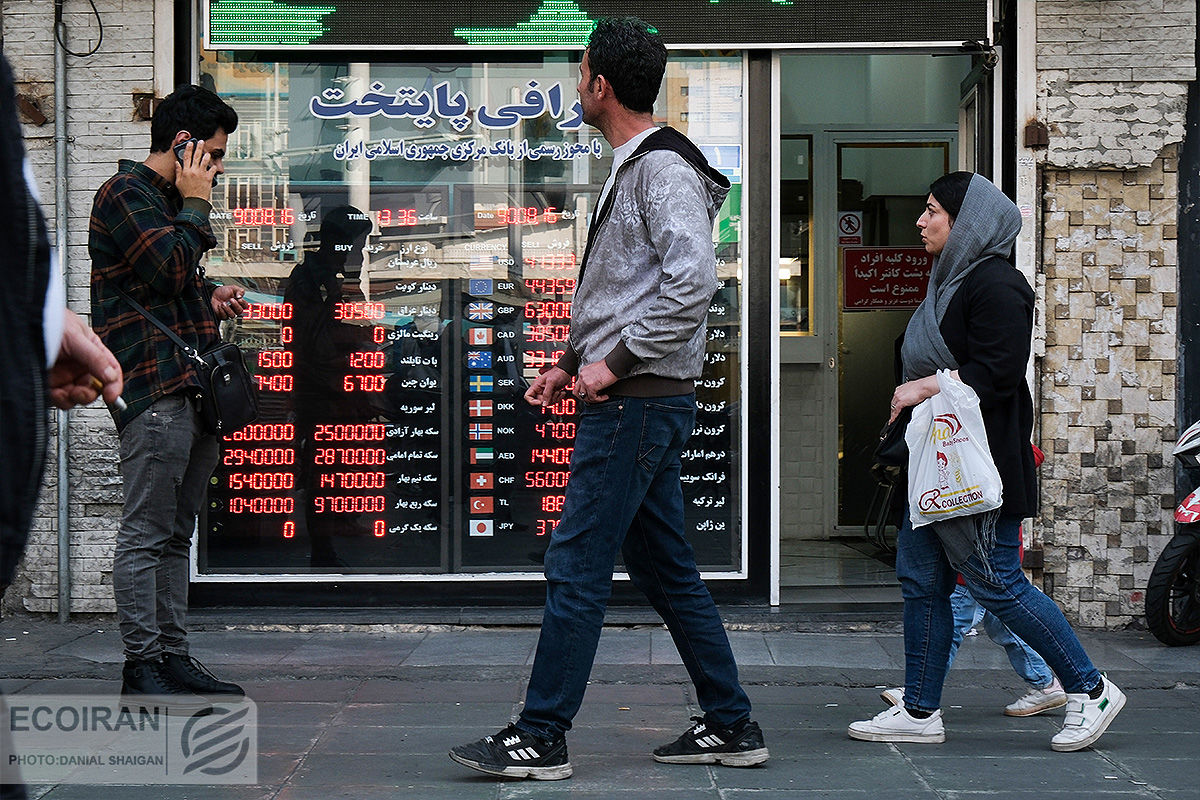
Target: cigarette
column 118, row 404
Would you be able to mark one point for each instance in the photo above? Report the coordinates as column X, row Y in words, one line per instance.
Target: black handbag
column 228, row 401
column 890, row 459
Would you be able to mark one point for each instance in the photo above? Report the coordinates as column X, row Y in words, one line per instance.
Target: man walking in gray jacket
column 637, row 342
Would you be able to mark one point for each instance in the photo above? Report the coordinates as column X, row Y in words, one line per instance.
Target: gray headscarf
column 987, row 224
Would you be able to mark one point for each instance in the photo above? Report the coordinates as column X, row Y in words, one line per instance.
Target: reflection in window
column 795, row 241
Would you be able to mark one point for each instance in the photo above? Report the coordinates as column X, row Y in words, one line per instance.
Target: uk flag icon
column 479, row 311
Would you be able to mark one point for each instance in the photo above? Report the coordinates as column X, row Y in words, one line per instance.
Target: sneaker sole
column 536, row 773
column 906, row 738
column 1038, row 709
column 1070, row 747
column 747, row 759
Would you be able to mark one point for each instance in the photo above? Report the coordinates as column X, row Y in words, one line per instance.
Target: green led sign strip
column 557, row 22
column 254, row 22
column 338, row 25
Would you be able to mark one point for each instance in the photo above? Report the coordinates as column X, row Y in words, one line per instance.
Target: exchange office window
column 410, row 237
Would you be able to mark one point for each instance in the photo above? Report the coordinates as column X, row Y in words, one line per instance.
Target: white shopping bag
column 950, row 468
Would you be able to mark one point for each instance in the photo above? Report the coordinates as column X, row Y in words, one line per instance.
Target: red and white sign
column 884, row 277
column 849, row 228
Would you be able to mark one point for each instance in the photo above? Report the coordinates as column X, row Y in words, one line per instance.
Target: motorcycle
column 1173, row 591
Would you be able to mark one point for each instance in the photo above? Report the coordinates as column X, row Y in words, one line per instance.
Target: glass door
column 883, row 270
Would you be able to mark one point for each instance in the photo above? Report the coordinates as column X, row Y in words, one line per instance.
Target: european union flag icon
column 480, row 287
column 479, row 359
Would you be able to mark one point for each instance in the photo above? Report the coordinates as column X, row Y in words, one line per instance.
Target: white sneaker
column 897, row 725
column 1087, row 719
column 1037, row 700
column 893, row 697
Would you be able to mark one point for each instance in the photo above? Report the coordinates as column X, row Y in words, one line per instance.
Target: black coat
column 24, row 276
column 988, row 327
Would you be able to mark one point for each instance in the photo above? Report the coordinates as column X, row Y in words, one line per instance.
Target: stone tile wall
column 1107, row 385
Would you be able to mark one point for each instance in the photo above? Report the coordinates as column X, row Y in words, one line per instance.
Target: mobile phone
column 181, row 148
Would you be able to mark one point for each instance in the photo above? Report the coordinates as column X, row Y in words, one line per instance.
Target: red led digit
column 289, row 529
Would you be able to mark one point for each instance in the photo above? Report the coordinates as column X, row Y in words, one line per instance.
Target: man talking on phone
column 149, row 228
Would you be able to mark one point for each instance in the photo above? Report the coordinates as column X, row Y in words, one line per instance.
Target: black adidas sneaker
column 739, row 746
column 512, row 753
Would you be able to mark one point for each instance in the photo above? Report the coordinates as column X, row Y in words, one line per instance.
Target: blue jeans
column 968, row 613
column 926, row 582
column 166, row 461
column 625, row 494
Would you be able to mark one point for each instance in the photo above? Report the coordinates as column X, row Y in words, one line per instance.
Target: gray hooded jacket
column 649, row 271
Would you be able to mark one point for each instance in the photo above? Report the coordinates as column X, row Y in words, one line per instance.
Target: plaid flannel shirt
column 146, row 239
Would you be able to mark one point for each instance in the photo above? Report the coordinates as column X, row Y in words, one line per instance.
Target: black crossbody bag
column 228, row 401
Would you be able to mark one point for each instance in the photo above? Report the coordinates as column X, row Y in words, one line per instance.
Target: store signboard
column 411, row 269
column 559, row 24
column 884, row 277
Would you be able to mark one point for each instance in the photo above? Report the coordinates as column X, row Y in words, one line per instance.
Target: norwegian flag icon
column 480, row 430
column 479, row 311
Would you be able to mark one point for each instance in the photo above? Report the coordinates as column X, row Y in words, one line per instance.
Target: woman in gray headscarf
column 977, row 321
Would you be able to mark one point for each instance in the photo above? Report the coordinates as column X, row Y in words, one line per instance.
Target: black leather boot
column 195, row 677
column 151, row 677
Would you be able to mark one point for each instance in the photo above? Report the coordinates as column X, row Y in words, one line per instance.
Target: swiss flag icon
column 481, row 480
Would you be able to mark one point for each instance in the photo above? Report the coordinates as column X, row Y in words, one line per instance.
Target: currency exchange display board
column 542, row 24
column 410, row 240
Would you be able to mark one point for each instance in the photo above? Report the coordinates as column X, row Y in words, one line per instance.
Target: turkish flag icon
column 481, row 505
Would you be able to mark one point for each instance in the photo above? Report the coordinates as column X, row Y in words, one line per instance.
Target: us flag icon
column 480, row 336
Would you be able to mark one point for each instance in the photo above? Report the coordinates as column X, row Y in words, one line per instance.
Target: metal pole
column 60, row 244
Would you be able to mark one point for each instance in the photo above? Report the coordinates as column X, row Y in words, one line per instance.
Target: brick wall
column 1112, row 86
column 1108, row 385
column 100, row 128
column 1112, row 79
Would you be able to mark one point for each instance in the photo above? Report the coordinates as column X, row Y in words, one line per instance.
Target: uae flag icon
column 479, row 527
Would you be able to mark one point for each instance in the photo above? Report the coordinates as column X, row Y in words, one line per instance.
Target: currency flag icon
column 480, row 455
column 479, row 527
column 480, row 311
column 479, row 359
column 479, row 408
column 480, row 383
column 479, row 430
column 480, row 287
column 481, row 504
column 481, row 480
column 480, row 337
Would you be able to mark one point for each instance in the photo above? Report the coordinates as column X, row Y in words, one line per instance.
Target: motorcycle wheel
column 1173, row 592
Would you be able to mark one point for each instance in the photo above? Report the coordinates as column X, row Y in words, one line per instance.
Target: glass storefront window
column 410, row 234
column 795, row 241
